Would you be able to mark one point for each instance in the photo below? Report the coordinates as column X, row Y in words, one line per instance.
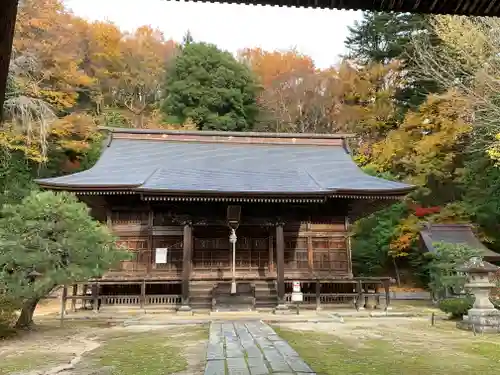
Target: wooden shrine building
column 174, row 197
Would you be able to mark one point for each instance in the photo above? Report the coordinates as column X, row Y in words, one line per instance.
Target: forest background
column 419, row 92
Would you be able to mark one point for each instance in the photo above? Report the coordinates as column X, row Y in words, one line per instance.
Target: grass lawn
column 415, row 350
column 28, row 360
column 157, row 352
column 127, row 351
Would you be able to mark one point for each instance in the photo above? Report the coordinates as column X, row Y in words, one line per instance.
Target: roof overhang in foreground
column 227, row 166
column 453, row 7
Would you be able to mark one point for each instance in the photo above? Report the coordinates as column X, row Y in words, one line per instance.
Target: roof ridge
column 211, row 133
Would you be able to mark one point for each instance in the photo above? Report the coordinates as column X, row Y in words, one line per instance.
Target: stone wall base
column 482, row 321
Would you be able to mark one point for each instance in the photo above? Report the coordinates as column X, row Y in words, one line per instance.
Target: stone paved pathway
column 251, row 348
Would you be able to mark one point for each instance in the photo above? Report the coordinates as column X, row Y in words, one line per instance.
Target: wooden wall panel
column 141, row 254
column 174, row 254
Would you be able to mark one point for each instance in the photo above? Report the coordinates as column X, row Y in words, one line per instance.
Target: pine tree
column 187, row 39
column 384, row 37
column 210, row 88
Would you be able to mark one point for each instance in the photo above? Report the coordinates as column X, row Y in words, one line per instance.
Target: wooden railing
column 120, row 300
column 168, row 299
column 324, row 299
column 164, row 300
column 358, row 300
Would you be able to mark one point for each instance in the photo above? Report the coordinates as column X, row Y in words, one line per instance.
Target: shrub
column 457, row 307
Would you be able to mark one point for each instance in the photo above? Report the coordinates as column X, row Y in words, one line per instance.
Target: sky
column 314, row 32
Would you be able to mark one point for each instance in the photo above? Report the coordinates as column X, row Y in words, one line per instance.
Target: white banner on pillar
column 161, row 255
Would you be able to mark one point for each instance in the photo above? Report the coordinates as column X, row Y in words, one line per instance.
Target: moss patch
column 329, row 354
column 27, row 361
column 156, row 352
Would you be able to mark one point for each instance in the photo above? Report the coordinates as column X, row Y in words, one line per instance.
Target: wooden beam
column 186, row 264
column 8, row 14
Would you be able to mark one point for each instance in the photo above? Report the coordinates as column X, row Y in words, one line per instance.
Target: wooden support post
column 143, row 293
column 310, row 262
column 73, row 300
column 271, row 253
column 8, row 14
column 95, row 297
column 280, row 257
column 318, row 295
column 387, row 284
column 64, row 297
column 348, row 245
column 186, row 265
column 359, row 299
column 151, row 246
column 84, row 293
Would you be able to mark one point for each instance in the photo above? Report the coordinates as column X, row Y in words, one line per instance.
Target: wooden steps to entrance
column 200, row 294
column 243, row 300
column 258, row 294
column 266, row 295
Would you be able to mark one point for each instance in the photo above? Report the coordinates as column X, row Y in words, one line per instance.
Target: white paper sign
column 161, row 255
column 296, row 286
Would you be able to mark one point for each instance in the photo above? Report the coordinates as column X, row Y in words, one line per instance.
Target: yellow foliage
column 494, row 150
column 74, row 132
column 15, row 142
column 406, row 234
column 428, row 140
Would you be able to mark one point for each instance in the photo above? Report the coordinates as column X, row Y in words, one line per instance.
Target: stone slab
column 257, row 366
column 237, row 366
column 216, row 367
column 298, row 365
column 215, row 351
column 251, row 348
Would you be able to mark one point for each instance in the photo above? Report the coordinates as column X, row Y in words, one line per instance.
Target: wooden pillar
column 64, row 297
column 318, row 295
column 84, row 293
column 271, row 254
column 143, row 293
column 280, row 260
column 348, row 245
column 151, row 245
column 73, row 300
column 359, row 304
column 95, row 297
column 310, row 262
column 387, row 290
column 8, row 14
column 186, row 265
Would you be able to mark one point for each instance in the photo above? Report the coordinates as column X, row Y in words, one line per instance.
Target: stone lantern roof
column 477, row 265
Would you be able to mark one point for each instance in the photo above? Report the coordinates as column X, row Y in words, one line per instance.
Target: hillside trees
column 210, row 88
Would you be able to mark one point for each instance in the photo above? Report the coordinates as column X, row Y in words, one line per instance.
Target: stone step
column 229, row 313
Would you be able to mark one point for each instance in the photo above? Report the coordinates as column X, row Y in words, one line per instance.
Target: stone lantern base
column 481, row 320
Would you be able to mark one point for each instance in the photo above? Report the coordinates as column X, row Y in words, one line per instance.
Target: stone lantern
column 482, row 317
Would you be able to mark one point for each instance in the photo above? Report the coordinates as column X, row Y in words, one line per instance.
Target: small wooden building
column 456, row 234
column 172, row 197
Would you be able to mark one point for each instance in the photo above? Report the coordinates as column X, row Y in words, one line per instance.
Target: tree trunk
column 25, row 320
column 398, row 278
column 8, row 14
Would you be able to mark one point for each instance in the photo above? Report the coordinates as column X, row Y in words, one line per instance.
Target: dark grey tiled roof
column 454, row 234
column 155, row 165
